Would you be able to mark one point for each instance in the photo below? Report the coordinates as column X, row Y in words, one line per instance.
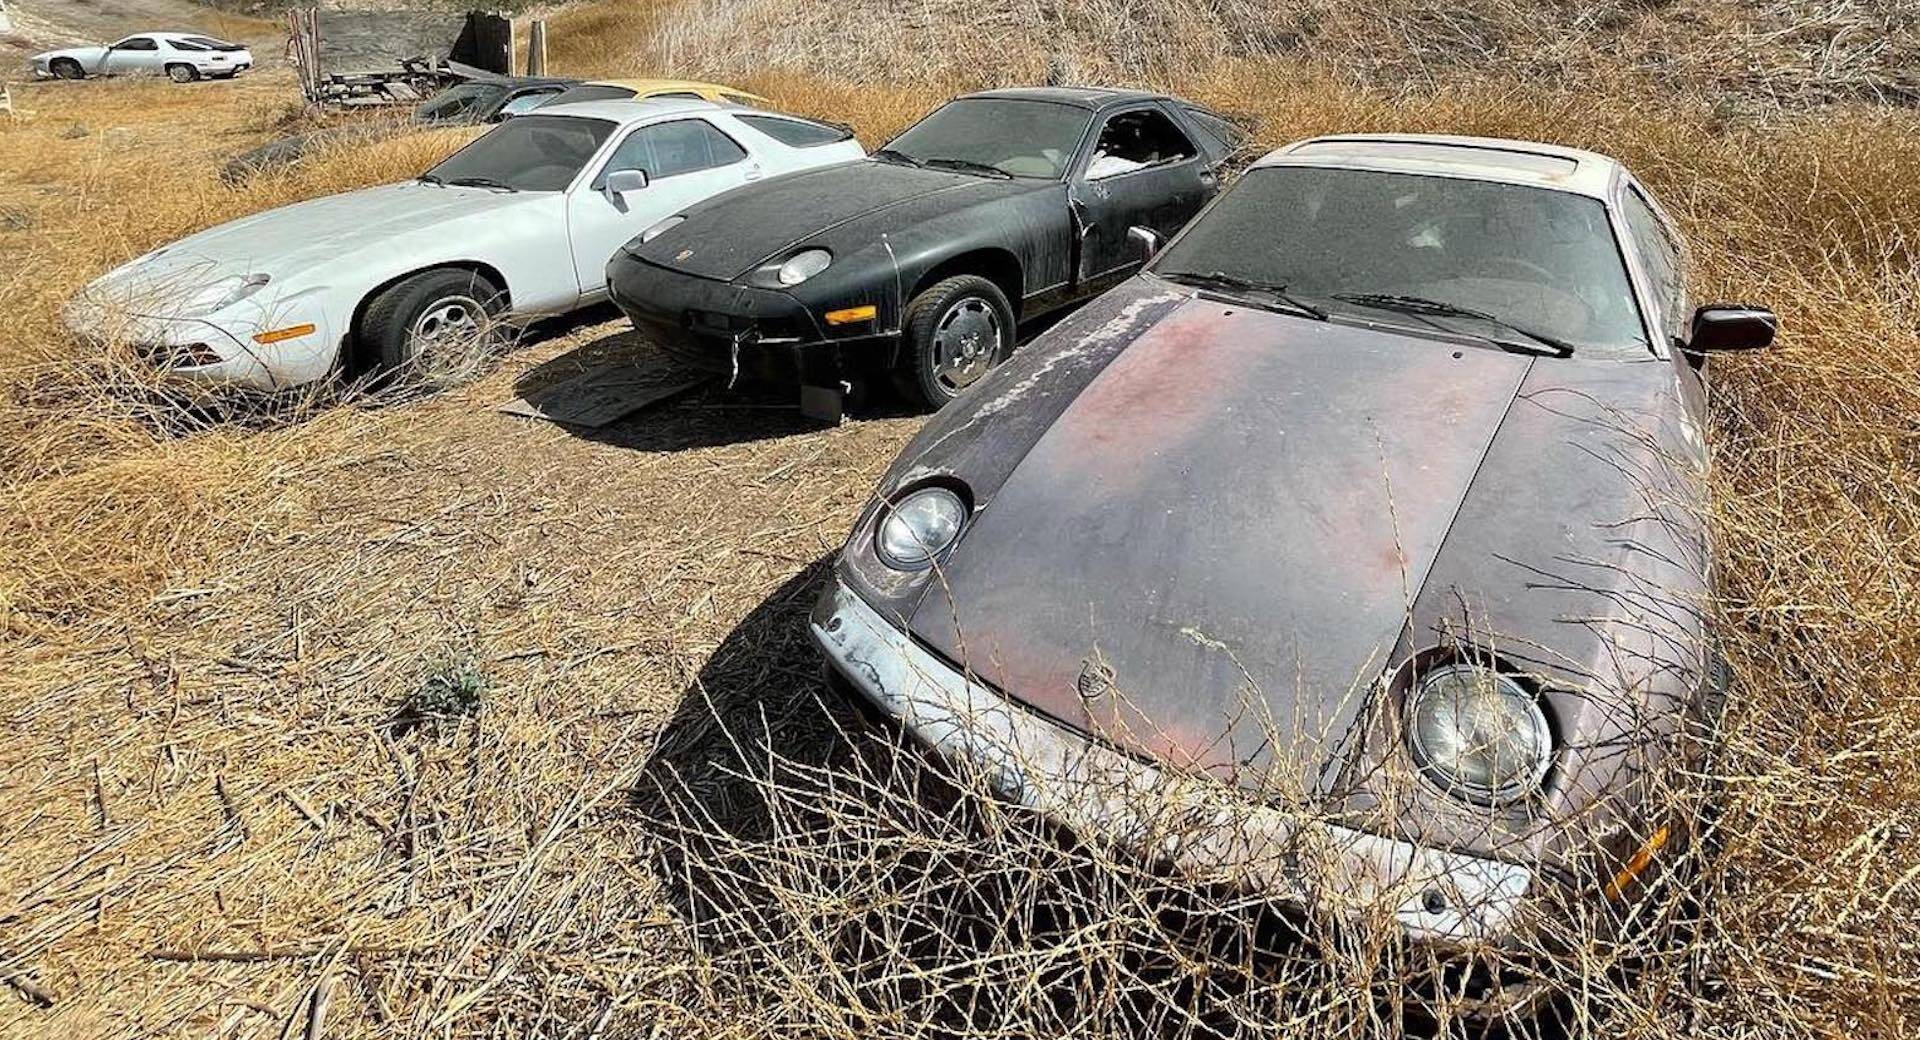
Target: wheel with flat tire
column 66, row 68
column 956, row 331
column 182, row 73
column 437, row 325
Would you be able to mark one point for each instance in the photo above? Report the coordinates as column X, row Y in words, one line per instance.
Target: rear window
column 592, row 92
column 796, row 133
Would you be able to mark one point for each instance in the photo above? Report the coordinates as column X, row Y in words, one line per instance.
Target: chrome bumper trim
column 1198, row 826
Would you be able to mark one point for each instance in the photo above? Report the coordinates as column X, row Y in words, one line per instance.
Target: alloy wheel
column 966, row 343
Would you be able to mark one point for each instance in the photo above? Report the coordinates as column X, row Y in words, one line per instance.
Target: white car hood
column 306, row 236
column 78, row 53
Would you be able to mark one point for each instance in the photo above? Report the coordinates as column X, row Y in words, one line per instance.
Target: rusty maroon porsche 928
column 1388, row 466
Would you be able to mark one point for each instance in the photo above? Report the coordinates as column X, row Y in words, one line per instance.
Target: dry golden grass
column 1753, row 52
column 351, row 698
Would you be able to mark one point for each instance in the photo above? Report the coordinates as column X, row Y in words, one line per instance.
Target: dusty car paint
column 1394, row 466
column 1221, row 538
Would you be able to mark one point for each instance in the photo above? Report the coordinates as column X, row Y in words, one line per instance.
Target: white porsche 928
column 517, row 225
column 181, row 57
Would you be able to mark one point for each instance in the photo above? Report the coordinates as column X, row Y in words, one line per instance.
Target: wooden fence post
column 537, row 48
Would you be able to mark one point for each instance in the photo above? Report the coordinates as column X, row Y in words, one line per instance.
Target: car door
column 1143, row 171
column 133, row 55
column 685, row 160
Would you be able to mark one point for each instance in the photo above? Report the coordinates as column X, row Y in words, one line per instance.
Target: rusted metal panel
column 1579, row 559
column 1215, row 536
column 1232, row 601
column 986, row 434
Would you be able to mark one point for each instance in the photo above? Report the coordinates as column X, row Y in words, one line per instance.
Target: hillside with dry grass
column 400, row 717
column 1742, row 54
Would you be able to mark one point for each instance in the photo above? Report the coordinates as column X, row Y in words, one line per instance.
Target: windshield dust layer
column 1022, row 138
column 528, row 153
column 1541, row 259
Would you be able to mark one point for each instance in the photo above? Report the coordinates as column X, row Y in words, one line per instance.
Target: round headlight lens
column 804, row 265
column 661, row 228
column 217, row 296
column 919, row 527
column 1478, row 733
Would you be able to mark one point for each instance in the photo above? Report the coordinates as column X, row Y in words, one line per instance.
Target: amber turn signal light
column 1642, row 859
column 276, row 335
column 850, row 315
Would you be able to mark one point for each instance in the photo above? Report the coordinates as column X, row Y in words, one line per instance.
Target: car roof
column 627, row 110
column 651, row 86
column 1480, row 158
column 1085, row 97
column 494, row 79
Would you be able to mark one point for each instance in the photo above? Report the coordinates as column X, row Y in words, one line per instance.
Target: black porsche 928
column 922, row 260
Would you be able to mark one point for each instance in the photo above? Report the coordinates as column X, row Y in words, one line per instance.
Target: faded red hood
column 1136, row 536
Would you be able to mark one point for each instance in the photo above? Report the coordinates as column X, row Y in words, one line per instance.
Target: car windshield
column 591, row 92
column 1018, row 137
column 533, row 152
column 458, row 102
column 1409, row 249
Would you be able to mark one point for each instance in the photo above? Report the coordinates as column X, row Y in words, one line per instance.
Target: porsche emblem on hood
column 1096, row 678
column 682, row 255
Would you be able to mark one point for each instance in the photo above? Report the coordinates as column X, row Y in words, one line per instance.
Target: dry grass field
column 326, row 718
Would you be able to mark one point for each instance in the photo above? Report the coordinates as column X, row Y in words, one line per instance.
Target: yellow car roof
column 654, row 87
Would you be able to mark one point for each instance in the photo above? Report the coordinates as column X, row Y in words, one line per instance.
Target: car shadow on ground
column 705, row 415
column 797, row 834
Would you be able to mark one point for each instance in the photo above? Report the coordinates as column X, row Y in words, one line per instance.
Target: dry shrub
column 94, row 444
column 1783, row 51
column 209, row 639
column 837, row 878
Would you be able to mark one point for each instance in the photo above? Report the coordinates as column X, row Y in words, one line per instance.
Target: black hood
column 731, row 234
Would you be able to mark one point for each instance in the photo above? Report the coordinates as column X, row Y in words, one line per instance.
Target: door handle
column 753, row 171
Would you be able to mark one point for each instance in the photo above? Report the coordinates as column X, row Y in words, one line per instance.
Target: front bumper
column 740, row 330
column 1198, row 827
column 210, row 353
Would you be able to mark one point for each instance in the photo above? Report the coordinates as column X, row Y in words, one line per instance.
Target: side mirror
column 1146, row 241
column 620, row 182
column 1728, row 326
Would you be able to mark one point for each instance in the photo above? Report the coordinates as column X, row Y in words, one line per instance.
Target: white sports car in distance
column 518, row 224
column 181, row 57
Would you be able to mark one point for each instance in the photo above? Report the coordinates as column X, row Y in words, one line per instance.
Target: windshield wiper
column 969, row 166
column 428, row 178
column 482, row 182
column 889, row 155
column 1235, row 283
column 1441, row 309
